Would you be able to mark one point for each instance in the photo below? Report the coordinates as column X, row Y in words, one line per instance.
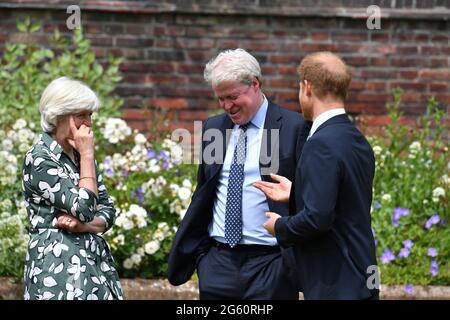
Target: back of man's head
column 327, row 73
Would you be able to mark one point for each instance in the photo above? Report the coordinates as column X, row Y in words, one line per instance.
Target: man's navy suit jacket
column 330, row 222
column 192, row 238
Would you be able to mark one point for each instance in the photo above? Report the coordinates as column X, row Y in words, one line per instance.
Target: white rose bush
column 151, row 188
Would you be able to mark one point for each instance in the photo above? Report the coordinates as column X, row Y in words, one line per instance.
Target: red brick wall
column 166, row 47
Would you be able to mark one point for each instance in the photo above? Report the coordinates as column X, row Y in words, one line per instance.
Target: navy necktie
column 233, row 209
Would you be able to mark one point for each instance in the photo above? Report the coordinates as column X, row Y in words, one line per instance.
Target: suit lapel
column 269, row 142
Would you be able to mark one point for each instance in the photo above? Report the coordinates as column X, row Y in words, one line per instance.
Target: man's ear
column 255, row 83
column 308, row 88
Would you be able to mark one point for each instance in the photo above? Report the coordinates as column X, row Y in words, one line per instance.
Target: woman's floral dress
column 60, row 264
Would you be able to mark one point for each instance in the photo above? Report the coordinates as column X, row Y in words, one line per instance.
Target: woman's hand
column 278, row 192
column 83, row 139
column 72, row 224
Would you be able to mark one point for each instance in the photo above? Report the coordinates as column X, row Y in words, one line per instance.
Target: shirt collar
column 260, row 116
column 321, row 119
column 52, row 145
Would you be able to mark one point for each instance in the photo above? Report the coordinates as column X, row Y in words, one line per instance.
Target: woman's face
column 63, row 127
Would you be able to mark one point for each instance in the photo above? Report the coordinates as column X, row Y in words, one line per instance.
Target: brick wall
column 167, row 43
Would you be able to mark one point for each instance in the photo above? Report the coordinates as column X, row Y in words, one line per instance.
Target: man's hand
column 278, row 192
column 270, row 223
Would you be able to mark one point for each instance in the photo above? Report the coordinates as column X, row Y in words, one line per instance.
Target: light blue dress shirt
column 254, row 202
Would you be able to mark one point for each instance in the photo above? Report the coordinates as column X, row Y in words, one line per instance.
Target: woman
column 67, row 202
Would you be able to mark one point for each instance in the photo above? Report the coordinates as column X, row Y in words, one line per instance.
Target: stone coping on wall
column 144, row 289
column 224, row 8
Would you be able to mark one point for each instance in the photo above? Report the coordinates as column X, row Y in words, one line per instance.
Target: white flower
column 187, row 183
column 163, row 226
column 7, row 145
column 159, row 235
column 140, row 251
column 438, row 192
column 20, row 123
column 128, row 224
column 141, row 222
column 120, row 239
column 115, row 130
column 128, row 263
column 151, row 247
column 386, row 197
column 377, row 150
column 415, row 147
column 182, row 213
column 445, row 180
column 138, row 211
column 184, row 193
column 140, row 139
column 136, row 258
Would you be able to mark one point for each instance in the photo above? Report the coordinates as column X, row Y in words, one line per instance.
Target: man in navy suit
column 222, row 233
column 330, row 223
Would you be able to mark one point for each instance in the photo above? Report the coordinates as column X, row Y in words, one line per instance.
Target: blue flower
column 433, row 220
column 434, row 268
column 404, row 253
column 409, row 289
column 163, row 155
column 151, row 153
column 377, row 205
column 399, row 212
column 432, row 252
column 408, row 244
column 387, row 256
column 109, row 172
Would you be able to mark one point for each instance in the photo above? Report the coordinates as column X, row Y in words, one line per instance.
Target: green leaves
column 410, row 164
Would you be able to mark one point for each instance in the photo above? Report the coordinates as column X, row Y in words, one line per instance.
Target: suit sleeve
column 320, row 174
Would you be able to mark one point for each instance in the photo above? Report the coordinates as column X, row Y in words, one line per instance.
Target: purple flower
column 109, row 172
column 434, row 268
column 387, row 256
column 432, row 252
column 107, row 161
column 376, row 241
column 165, row 164
column 377, row 205
column 433, row 220
column 409, row 289
column 408, row 244
column 140, row 198
column 399, row 212
column 139, row 190
column 163, row 155
column 404, row 253
column 124, row 173
column 151, row 153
